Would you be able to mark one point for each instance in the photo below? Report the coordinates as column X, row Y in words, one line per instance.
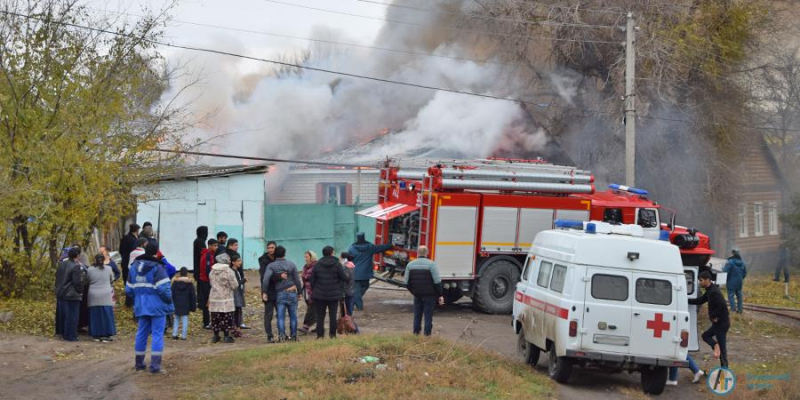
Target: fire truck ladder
column 425, row 210
column 383, row 195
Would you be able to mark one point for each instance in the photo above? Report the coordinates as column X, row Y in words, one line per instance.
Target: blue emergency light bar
column 628, row 189
column 568, row 224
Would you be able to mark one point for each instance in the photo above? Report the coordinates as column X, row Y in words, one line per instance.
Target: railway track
column 791, row 313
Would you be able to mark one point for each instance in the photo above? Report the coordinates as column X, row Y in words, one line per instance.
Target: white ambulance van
column 603, row 296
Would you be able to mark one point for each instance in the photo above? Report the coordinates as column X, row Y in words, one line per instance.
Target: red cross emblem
column 658, row 325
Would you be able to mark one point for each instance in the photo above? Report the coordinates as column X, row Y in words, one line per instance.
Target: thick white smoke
column 310, row 114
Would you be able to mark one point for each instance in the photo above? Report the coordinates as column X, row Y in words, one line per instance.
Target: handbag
column 345, row 324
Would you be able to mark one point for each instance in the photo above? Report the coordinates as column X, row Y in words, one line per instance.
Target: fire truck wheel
column 559, row 368
column 526, row 350
column 494, row 291
column 654, row 380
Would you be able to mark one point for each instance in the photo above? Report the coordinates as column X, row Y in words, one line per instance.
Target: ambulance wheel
column 559, row 368
column 526, row 350
column 654, row 380
column 494, row 291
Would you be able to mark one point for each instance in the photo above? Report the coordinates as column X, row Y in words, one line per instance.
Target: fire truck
column 479, row 218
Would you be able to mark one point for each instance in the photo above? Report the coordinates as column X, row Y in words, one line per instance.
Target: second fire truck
column 479, row 219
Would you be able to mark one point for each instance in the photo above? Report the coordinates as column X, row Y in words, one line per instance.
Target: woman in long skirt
column 220, row 300
column 100, row 300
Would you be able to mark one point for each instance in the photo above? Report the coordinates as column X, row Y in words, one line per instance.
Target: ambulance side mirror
column 671, row 225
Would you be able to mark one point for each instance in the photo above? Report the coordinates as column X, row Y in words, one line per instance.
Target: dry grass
column 412, row 368
column 778, row 380
column 762, row 290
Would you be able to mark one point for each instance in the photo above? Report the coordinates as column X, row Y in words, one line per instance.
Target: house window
column 772, row 221
column 334, row 193
column 758, row 219
column 743, row 220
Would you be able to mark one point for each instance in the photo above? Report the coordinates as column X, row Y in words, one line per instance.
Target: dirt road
column 46, row 368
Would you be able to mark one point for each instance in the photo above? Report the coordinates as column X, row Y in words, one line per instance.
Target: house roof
column 209, row 171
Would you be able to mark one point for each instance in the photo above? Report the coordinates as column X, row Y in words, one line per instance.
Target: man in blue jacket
column 363, row 253
column 149, row 286
column 737, row 271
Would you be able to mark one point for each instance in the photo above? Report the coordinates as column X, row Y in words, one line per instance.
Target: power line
column 490, row 17
column 452, row 28
column 273, row 160
column 358, row 76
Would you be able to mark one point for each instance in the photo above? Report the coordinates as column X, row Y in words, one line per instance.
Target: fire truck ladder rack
column 426, row 200
column 383, row 195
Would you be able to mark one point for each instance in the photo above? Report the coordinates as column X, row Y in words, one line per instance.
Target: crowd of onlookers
column 161, row 296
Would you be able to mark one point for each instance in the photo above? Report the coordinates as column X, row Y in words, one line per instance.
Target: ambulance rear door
column 607, row 311
column 692, row 288
column 654, row 321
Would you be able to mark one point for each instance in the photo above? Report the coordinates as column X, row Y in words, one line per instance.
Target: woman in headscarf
column 220, row 300
column 311, row 316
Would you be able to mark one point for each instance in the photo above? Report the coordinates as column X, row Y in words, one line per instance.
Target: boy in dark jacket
column 326, row 281
column 718, row 314
column 423, row 281
column 197, row 250
column 69, row 291
column 185, row 301
column 268, row 294
column 203, row 285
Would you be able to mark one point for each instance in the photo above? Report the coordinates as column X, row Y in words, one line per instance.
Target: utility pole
column 630, row 104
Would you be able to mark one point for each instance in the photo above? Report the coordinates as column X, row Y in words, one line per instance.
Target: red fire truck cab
column 479, row 217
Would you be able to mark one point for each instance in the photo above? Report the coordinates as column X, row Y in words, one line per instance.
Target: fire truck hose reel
column 548, row 187
column 517, row 176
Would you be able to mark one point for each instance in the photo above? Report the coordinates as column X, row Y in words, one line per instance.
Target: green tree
column 79, row 110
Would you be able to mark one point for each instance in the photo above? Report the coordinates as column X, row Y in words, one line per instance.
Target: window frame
column 655, row 214
column 627, row 288
column 772, row 218
column 549, row 274
column 553, row 275
column 636, row 290
column 526, row 270
column 743, row 228
column 758, row 219
column 690, row 282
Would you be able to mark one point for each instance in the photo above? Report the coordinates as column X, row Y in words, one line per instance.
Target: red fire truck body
column 478, row 219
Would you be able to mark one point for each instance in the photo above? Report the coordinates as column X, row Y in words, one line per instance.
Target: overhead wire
column 452, row 28
column 357, row 76
column 491, row 17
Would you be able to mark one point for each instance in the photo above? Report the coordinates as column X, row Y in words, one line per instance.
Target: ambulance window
column 527, row 269
column 689, row 282
column 648, row 218
column 559, row 275
column 653, row 291
column 610, row 287
column 544, row 273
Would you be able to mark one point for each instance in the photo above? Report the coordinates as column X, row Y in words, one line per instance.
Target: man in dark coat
column 269, row 295
column 198, row 246
column 363, row 253
column 327, row 280
column 126, row 246
column 222, row 239
column 69, row 287
column 718, row 314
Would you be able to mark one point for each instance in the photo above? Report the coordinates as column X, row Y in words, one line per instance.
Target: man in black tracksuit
column 270, row 296
column 718, row 314
column 327, row 281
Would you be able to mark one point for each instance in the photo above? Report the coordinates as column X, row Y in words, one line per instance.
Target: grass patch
column 762, row 290
column 409, row 367
column 775, row 380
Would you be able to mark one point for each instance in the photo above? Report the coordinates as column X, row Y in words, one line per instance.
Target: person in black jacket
column 718, row 314
column 126, row 246
column 69, row 291
column 269, row 297
column 327, row 281
column 184, row 298
column 197, row 249
column 423, row 281
column 222, row 239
